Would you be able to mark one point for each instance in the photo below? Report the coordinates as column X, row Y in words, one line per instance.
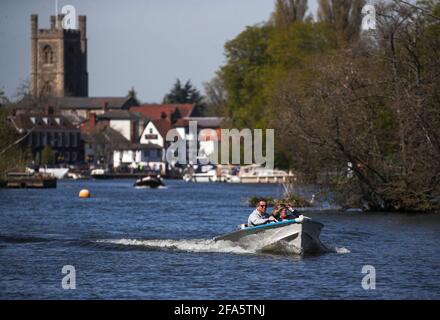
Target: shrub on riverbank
column 12, row 156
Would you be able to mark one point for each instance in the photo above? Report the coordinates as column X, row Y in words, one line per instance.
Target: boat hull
column 149, row 182
column 299, row 238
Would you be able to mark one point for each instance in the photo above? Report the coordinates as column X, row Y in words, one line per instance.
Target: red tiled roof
column 155, row 111
column 163, row 126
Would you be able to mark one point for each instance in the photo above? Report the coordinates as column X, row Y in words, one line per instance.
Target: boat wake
column 340, row 250
column 190, row 245
column 206, row 245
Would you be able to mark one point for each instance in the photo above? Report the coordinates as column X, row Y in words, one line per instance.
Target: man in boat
column 259, row 216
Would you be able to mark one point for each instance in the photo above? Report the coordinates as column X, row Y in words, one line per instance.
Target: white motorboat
column 258, row 174
column 59, row 173
column 288, row 235
column 201, row 173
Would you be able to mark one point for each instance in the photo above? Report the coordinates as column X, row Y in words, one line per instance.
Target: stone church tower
column 58, row 59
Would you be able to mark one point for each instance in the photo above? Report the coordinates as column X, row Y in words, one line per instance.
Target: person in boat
column 281, row 212
column 259, row 216
column 285, row 212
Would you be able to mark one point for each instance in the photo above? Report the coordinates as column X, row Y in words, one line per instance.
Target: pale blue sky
column 146, row 44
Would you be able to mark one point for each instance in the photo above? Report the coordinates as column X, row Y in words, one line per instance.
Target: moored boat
column 257, row 174
column 30, row 180
column 152, row 182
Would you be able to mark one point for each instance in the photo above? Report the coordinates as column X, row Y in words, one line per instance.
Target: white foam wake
column 341, row 250
column 192, row 245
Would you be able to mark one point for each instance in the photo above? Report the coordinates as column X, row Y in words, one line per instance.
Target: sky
column 145, row 44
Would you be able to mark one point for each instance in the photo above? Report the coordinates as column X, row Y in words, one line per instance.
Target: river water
column 127, row 243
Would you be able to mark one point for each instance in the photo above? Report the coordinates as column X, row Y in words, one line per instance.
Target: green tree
column 3, row 99
column 12, row 157
column 185, row 94
column 247, row 67
column 132, row 93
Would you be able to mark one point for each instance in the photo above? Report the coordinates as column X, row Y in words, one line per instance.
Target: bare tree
column 368, row 123
column 215, row 96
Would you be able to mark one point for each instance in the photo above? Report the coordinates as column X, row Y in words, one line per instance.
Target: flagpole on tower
column 56, row 14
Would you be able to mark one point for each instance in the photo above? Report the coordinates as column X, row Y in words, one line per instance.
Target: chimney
column 48, row 110
column 163, row 115
column 92, row 120
column 105, row 106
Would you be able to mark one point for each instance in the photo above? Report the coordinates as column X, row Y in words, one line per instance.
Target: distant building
column 117, row 139
column 172, row 112
column 58, row 59
column 129, row 124
column 76, row 109
column 52, row 130
column 100, row 142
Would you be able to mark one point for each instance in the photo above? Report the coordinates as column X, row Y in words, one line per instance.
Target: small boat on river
column 149, row 181
column 300, row 236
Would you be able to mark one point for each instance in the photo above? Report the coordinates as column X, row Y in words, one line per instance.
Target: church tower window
column 47, row 55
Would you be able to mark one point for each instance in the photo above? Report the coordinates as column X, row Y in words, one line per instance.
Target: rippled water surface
column 156, row 244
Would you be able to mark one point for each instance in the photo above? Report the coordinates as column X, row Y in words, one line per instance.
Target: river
column 127, row 243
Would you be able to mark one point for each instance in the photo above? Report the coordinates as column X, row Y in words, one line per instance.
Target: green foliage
column 336, row 96
column 3, row 99
column 244, row 77
column 12, row 157
column 132, row 93
column 185, row 94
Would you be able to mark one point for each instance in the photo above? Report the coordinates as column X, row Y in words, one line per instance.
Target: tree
column 368, row 122
column 132, row 93
column 343, row 15
column 3, row 99
column 215, row 96
column 12, row 156
column 288, row 11
column 244, row 76
column 185, row 94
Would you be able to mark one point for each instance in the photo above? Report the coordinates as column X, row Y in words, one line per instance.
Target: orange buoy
column 84, row 193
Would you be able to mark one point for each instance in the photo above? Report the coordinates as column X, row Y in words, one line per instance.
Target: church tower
column 58, row 59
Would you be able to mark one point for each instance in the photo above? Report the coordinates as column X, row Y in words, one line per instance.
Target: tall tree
column 3, row 98
column 132, row 93
column 185, row 94
column 288, row 11
column 343, row 15
column 368, row 122
column 215, row 95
